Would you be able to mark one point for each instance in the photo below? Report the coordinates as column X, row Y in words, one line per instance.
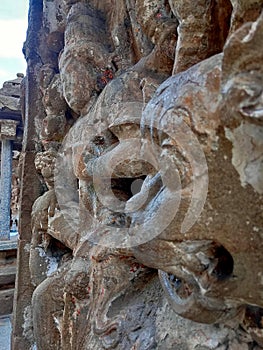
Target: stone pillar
column 5, row 189
column 7, row 134
column 22, row 332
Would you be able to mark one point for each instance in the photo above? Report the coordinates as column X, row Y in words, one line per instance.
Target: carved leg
column 110, row 278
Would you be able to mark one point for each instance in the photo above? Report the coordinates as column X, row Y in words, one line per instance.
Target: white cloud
column 13, row 35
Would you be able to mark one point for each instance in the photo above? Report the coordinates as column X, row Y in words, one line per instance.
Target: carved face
column 208, row 266
column 205, row 261
column 105, row 150
column 193, row 266
column 111, row 173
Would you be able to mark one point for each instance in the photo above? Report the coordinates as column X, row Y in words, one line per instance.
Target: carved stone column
column 7, row 134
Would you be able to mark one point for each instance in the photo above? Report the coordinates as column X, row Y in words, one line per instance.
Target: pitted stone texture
column 85, row 54
column 245, row 11
column 178, row 91
column 10, row 94
column 101, row 86
column 242, row 92
column 8, row 129
column 247, row 156
column 203, row 28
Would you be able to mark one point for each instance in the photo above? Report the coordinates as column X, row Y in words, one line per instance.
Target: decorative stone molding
column 8, row 129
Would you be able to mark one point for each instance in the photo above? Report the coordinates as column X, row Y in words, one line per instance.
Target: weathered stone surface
column 10, row 94
column 11, row 130
column 147, row 134
column 8, row 129
column 22, row 334
column 242, row 88
column 245, row 11
column 11, row 103
column 7, row 275
column 7, row 246
column 203, row 28
column 6, row 301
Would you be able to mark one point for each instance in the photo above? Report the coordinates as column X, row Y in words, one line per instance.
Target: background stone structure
column 11, row 133
column 96, row 269
column 11, row 130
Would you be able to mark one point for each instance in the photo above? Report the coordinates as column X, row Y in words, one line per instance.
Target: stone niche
column 142, row 181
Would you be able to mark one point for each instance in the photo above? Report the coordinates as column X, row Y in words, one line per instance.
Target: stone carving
column 244, row 11
column 84, row 56
column 125, row 236
column 203, row 28
column 206, row 278
column 242, row 85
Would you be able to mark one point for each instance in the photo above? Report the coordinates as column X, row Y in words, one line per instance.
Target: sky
column 13, row 26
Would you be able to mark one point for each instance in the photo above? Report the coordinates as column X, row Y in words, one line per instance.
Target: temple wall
column 141, row 195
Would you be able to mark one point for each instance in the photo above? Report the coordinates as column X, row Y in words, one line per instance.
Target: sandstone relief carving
column 148, row 231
